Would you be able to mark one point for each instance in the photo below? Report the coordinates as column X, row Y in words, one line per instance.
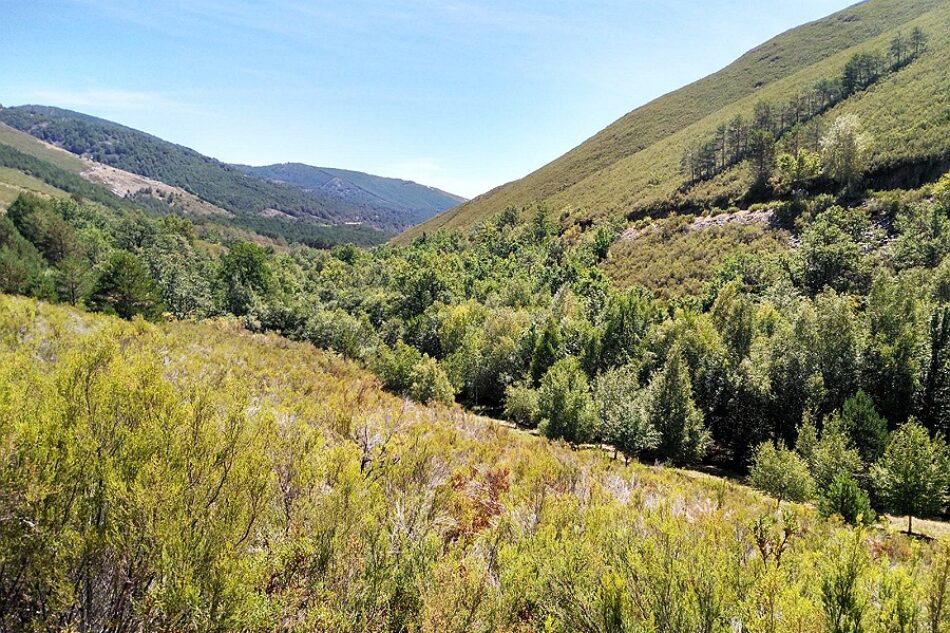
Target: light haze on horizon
column 463, row 95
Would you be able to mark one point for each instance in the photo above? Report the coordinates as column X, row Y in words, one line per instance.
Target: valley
column 693, row 375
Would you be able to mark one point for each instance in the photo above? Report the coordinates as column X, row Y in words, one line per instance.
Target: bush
column 942, row 186
column 429, row 383
column 394, row 366
column 521, row 404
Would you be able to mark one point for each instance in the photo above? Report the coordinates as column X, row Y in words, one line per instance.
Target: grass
column 14, row 182
column 36, row 148
column 634, row 163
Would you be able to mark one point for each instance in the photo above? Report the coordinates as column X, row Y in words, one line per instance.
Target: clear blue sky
column 460, row 94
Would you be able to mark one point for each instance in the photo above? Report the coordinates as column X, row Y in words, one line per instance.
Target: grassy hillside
column 57, row 178
column 53, row 168
column 633, row 166
column 14, row 182
column 677, row 258
column 387, row 199
column 272, row 209
column 36, row 148
column 294, row 495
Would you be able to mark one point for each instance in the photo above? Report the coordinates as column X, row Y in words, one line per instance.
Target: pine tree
column 912, row 477
column 671, row 411
column 898, row 49
column 935, row 402
column 565, row 404
column 625, row 322
column 845, row 498
column 918, row 41
column 623, row 419
column 867, row 429
column 124, row 288
column 546, row 351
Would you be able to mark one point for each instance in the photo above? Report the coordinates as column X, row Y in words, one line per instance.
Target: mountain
column 30, row 165
column 278, row 200
column 402, row 201
column 633, row 167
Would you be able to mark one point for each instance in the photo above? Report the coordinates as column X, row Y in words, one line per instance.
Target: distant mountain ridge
column 381, row 206
column 414, row 202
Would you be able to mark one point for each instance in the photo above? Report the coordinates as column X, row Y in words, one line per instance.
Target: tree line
column 794, row 126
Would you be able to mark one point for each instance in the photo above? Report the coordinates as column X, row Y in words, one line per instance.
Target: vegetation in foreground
column 199, row 477
column 832, row 353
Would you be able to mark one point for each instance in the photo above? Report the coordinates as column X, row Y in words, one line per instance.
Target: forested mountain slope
column 294, row 495
column 634, row 166
column 81, row 175
column 401, row 200
column 147, row 155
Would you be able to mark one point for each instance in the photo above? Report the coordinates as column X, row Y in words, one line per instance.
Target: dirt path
column 928, row 528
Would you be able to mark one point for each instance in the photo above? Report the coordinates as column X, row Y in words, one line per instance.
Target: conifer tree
column 867, row 429
column 912, row 476
column 670, row 409
column 124, row 288
column 620, row 405
column 547, row 350
column 565, row 404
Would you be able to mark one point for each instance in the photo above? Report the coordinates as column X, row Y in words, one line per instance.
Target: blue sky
column 460, row 94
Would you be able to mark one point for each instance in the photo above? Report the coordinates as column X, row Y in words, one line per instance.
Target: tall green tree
column 547, row 350
column 244, row 275
column 21, row 264
column 841, row 334
column 912, row 476
column 626, row 319
column 832, row 252
column 918, row 41
column 620, row 405
column 565, row 404
column 671, row 411
column 866, row 428
column 935, row 401
column 833, row 455
column 38, row 220
column 125, row 288
column 845, row 150
column 781, row 473
column 896, row 350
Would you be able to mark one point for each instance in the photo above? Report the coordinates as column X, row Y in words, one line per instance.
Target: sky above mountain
column 463, row 95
